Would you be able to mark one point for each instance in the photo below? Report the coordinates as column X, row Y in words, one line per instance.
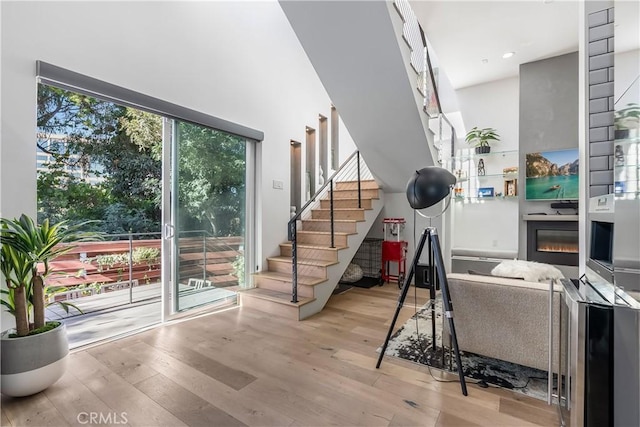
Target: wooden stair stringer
column 323, row 291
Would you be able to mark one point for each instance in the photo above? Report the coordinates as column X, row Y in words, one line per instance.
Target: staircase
column 319, row 266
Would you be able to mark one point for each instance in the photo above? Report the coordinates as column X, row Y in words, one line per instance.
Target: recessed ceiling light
column 508, row 55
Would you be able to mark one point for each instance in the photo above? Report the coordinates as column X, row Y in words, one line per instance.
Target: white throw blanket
column 528, row 270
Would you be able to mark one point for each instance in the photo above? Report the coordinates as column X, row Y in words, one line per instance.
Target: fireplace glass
column 565, row 241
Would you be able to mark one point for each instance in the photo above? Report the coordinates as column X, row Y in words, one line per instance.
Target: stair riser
column 353, row 185
column 339, row 227
column 346, row 203
column 303, row 270
column 350, row 194
column 321, row 239
column 354, row 214
column 281, row 310
column 280, row 286
column 319, row 254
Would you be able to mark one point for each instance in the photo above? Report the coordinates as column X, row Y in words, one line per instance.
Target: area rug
column 413, row 342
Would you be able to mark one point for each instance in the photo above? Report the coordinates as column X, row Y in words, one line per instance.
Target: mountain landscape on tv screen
column 547, row 180
column 538, row 166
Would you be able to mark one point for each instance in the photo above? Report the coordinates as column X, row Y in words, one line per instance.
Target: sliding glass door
column 209, row 215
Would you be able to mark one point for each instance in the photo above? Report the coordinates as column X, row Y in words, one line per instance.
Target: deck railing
column 129, row 260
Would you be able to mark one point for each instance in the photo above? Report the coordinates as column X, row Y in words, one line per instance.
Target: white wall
column 493, row 224
column 239, row 61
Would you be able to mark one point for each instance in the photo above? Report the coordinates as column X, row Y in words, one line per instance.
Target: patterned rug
column 413, row 342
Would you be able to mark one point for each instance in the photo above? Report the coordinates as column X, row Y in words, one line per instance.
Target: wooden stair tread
column 369, row 183
column 340, row 209
column 305, row 246
column 303, row 261
column 275, row 296
column 284, row 277
column 327, row 220
column 350, row 198
column 337, row 233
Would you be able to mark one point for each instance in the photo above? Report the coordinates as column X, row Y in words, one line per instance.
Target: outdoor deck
column 111, row 314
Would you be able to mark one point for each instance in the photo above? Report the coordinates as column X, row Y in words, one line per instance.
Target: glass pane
column 209, row 215
column 100, row 161
column 557, row 241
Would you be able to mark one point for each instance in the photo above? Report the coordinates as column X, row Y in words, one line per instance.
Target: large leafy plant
column 481, row 137
column 27, row 251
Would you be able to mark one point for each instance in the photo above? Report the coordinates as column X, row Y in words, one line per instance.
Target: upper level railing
column 353, row 170
column 427, row 81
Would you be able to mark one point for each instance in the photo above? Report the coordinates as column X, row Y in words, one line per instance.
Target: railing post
column 130, row 267
column 331, row 212
column 359, row 189
column 204, row 256
column 294, row 260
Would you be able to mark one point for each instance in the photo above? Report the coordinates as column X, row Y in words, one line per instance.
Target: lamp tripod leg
column 403, row 296
column 432, row 296
column 446, row 302
column 434, row 249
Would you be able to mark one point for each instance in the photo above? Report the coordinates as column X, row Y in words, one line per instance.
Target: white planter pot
column 33, row 363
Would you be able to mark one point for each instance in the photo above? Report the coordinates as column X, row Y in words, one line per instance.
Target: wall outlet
column 277, row 184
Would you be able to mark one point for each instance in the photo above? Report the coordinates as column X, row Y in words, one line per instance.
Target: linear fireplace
column 553, row 242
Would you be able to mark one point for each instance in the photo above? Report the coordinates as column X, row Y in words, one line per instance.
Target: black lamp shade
column 428, row 186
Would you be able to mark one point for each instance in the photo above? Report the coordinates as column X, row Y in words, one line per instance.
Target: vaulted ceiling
column 470, row 37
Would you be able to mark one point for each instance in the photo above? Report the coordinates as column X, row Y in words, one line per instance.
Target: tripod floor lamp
column 427, row 187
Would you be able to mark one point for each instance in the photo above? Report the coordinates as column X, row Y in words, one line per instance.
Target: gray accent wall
column 548, row 121
column 600, row 107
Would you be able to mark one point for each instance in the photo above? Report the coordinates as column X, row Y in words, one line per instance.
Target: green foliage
column 121, row 146
column 25, row 245
column 238, row 269
column 140, row 255
column 212, row 178
column 481, row 137
column 145, row 131
column 61, row 196
column 143, row 254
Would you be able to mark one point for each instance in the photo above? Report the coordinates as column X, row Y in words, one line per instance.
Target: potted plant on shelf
column 34, row 353
column 627, row 122
column 481, row 138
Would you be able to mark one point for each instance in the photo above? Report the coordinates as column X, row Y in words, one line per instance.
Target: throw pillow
column 530, row 271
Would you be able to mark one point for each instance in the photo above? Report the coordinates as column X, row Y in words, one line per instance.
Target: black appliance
column 586, row 354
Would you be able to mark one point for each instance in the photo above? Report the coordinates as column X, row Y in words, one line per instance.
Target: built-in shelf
column 551, row 217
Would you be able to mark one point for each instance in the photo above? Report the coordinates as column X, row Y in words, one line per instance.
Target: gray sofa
column 506, row 319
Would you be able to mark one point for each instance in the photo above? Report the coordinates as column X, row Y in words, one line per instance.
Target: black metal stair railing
column 352, row 170
column 414, row 35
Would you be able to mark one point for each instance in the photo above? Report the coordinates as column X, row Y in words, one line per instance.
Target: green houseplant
column 627, row 120
column 481, row 138
column 34, row 355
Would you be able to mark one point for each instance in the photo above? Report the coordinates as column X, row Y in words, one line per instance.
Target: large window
column 102, row 158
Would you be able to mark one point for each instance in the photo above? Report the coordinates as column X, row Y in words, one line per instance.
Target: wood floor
column 243, row 367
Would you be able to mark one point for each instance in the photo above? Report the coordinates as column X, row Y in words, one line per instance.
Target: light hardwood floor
column 244, row 367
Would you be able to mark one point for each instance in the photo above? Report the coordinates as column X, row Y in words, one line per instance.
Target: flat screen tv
column 552, row 175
